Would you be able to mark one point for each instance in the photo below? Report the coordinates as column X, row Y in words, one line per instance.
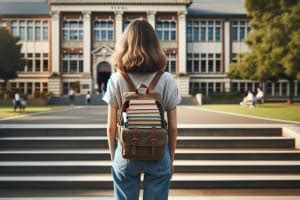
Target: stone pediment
column 103, row 50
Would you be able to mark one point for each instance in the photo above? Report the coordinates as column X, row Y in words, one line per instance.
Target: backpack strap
column 129, row 82
column 154, row 81
column 131, row 85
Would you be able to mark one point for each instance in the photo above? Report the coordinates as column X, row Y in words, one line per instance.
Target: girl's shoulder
column 117, row 76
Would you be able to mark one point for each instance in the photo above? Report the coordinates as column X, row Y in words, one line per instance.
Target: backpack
column 142, row 129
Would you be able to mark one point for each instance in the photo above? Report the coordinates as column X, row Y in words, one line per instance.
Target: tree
column 10, row 56
column 274, row 43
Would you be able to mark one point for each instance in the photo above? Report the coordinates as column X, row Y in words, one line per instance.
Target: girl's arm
column 172, row 132
column 111, row 129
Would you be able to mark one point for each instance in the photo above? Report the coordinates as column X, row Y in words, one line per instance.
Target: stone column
column 151, row 18
column 54, row 84
column 227, row 85
column 227, row 46
column 55, row 41
column 182, row 41
column 87, row 42
column 118, row 25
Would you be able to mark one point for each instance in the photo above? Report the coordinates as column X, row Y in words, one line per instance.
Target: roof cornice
column 109, row 2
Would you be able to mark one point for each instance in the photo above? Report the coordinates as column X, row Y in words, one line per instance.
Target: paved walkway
column 178, row 194
column 98, row 115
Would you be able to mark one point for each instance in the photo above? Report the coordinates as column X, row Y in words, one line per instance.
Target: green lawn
column 281, row 111
column 8, row 111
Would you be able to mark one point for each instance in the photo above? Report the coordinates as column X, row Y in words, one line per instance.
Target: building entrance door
column 103, row 74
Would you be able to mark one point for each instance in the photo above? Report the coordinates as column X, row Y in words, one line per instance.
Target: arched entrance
column 103, row 74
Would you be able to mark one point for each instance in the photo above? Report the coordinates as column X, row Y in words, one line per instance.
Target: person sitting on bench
column 259, row 97
column 248, row 99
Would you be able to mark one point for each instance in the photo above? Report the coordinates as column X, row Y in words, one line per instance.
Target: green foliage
column 10, row 55
column 274, row 44
column 225, row 95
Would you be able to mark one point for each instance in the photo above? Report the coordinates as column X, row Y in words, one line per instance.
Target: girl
column 139, row 54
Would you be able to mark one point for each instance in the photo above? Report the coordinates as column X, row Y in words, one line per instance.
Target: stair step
column 180, row 166
column 56, row 130
column 181, row 154
column 182, row 141
column 179, row 180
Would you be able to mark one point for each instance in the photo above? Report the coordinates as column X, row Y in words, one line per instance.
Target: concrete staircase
column 77, row 158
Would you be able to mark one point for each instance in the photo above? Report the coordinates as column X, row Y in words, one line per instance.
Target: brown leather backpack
column 142, row 143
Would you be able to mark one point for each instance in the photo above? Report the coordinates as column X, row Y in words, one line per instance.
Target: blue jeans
column 127, row 177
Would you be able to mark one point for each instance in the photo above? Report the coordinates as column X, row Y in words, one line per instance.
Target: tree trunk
column 292, row 92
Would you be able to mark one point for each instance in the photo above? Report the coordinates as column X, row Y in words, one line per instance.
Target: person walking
column 140, row 56
column 88, row 98
column 17, row 101
column 72, row 97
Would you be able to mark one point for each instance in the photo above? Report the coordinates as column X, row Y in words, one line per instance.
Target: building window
column 67, row 86
column 103, row 30
column 29, row 30
column 14, row 86
column 37, row 62
column 193, row 63
column 210, row 32
column 29, row 88
column 22, row 87
column 14, row 28
column 204, row 63
column 45, row 87
column 45, row 62
column 45, row 30
column 171, row 63
column 239, row 30
column 210, row 62
column 29, row 62
column 218, row 62
column 72, row 62
column 37, row 30
column 204, row 30
column 284, row 89
column 126, row 23
column 37, row 87
column 72, row 30
column 166, row 30
column 22, row 33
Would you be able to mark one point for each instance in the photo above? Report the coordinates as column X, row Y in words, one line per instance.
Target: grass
column 281, row 111
column 8, row 111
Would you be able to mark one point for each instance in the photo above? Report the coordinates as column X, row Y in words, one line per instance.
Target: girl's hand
column 172, row 168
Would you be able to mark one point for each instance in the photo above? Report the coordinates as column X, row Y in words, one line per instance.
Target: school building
column 67, row 42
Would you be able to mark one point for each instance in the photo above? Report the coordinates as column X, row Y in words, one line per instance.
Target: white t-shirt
column 250, row 97
column 259, row 95
column 166, row 86
column 17, row 97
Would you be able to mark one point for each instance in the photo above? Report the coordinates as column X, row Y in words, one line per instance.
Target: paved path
column 178, row 194
column 98, row 115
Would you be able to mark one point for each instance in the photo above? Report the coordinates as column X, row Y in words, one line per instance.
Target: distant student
column 259, row 97
column 88, row 98
column 17, row 101
column 248, row 99
column 71, row 97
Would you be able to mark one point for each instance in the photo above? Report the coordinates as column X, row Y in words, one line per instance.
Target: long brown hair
column 138, row 49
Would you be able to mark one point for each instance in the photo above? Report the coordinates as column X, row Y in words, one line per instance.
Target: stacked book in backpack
column 142, row 113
